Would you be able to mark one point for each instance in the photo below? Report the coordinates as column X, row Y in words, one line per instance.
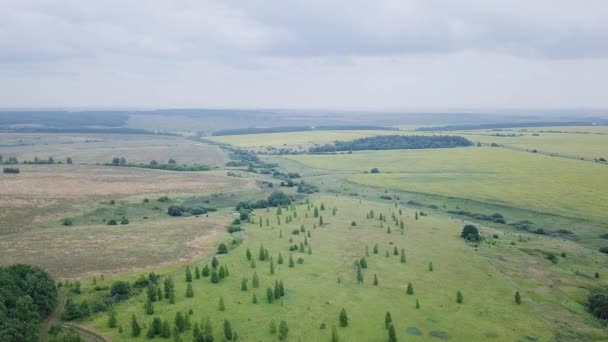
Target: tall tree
column 343, row 318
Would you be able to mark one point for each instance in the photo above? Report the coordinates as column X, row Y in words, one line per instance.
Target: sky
column 340, row 54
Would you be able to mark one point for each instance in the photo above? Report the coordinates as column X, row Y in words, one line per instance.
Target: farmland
column 96, row 225
column 494, row 175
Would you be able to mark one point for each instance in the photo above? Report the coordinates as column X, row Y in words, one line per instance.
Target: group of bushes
column 394, row 142
column 171, row 165
column 179, row 210
column 27, row 295
column 496, row 217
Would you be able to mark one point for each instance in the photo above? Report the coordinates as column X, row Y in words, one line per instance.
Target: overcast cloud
column 304, row 54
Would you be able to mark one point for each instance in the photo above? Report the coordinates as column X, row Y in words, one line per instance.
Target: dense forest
column 285, row 129
column 394, row 142
column 27, row 295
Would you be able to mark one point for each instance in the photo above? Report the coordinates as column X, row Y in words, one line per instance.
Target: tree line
column 394, row 142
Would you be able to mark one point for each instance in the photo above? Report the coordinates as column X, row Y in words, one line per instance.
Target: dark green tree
column 149, row 307
column 205, row 272
column 222, row 306
column 227, row 330
column 375, row 280
column 135, row 328
column 459, row 297
column 343, row 318
column 189, row 291
column 283, row 331
column 197, row 273
column 244, row 284
column 388, row 320
column 392, row 334
column 269, row 295
column 255, row 282
column 248, row 254
column 410, row 289
column 188, row 274
column 517, row 297
column 470, row 232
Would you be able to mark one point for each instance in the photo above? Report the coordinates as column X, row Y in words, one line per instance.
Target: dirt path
column 54, row 318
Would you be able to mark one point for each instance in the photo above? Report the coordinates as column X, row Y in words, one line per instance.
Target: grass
column 101, row 148
column 498, row 176
column 296, row 140
column 575, row 145
column 317, row 290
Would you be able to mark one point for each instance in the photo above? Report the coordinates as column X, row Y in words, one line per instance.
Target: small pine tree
column 267, row 222
column 172, row 296
column 459, row 297
column 255, row 282
column 281, row 288
column 291, row 264
column 222, row 306
column 392, row 334
column 252, row 263
column 388, row 230
column 248, row 254
column 228, row 330
column 254, row 299
column 215, row 278
column 197, row 273
column 277, row 291
column 149, row 307
column 244, row 284
column 205, row 272
column 366, row 251
column 309, row 250
column 316, row 212
column 269, row 295
column 320, row 221
column 135, row 328
column 343, row 318
column 363, row 262
column 189, row 291
column 150, row 333
column 214, row 262
column 273, row 327
column 165, row 330
column 431, row 266
column 417, row 304
column 375, row 280
column 517, row 298
column 222, row 272
column 180, row 321
column 402, row 256
column 188, row 274
column 410, row 289
column 376, row 249
column 280, row 259
column 416, row 215
column 283, row 331
column 301, row 247
column 112, row 321
column 395, row 251
column 359, row 274
column 388, row 320
column 387, row 254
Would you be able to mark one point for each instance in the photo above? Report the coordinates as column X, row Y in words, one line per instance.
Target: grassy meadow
column 317, row 289
column 524, row 180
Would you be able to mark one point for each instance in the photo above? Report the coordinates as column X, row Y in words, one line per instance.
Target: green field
column 297, row 140
column 575, row 145
column 488, row 311
column 523, row 180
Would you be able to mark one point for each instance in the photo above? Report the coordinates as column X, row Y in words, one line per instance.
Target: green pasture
column 325, row 283
column 500, row 176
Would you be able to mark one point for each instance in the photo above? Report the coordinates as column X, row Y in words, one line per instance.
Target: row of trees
column 394, row 142
column 49, row 160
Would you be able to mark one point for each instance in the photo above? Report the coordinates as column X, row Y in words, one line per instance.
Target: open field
column 101, row 148
column 488, row 277
column 297, row 140
column 50, row 192
column 97, row 249
column 523, row 180
column 575, row 145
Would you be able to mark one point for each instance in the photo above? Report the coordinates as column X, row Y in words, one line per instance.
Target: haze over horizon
column 384, row 55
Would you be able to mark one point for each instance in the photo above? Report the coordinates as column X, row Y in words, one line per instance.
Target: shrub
column 11, row 170
column 222, row 249
column 470, row 232
column 374, row 170
column 597, row 302
column 67, row 221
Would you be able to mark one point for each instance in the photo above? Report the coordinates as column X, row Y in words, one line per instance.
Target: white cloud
column 339, row 54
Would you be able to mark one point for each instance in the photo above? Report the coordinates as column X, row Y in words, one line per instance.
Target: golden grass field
column 98, row 148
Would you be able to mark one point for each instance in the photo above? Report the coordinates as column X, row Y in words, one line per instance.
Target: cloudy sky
column 339, row 54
